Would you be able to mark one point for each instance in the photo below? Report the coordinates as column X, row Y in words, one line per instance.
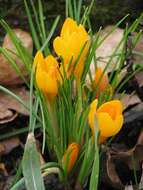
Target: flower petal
column 38, row 58
column 113, row 108
column 46, row 83
column 69, row 27
column 118, row 123
column 91, row 114
column 58, row 45
column 106, row 125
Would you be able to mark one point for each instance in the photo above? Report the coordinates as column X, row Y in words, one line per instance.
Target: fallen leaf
column 3, row 169
column 120, row 163
column 6, row 115
column 3, row 175
column 128, row 187
column 106, row 49
column 112, row 174
column 129, row 100
column 10, row 107
column 135, row 113
column 139, row 49
column 7, row 146
column 139, row 78
column 8, row 76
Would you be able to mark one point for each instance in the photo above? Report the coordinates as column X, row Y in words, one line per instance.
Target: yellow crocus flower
column 47, row 74
column 109, row 117
column 68, row 45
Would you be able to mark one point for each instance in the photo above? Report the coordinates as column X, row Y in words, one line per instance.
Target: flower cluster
column 72, row 46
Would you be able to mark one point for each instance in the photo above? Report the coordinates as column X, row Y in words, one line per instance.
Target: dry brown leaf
column 6, row 115
column 138, row 48
column 3, row 169
column 140, row 138
column 8, row 76
column 9, row 106
column 131, row 159
column 106, row 49
column 139, row 78
column 129, row 100
column 135, row 113
column 7, row 146
column 112, row 174
column 129, row 187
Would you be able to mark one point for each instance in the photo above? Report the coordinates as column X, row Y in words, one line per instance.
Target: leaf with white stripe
column 31, row 166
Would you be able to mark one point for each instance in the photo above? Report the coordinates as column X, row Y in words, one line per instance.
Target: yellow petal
column 46, row 83
column 106, row 125
column 93, row 105
column 50, row 62
column 38, row 58
column 91, row 115
column 119, row 123
column 83, row 33
column 58, row 45
column 113, row 108
column 69, row 27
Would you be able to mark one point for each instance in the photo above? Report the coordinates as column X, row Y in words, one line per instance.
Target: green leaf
column 95, row 173
column 31, row 166
column 95, row 169
column 31, row 24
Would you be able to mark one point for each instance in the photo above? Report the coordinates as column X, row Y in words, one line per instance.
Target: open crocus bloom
column 109, row 117
column 69, row 45
column 47, row 74
column 70, row 156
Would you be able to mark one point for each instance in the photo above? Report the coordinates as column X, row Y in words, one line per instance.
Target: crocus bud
column 47, row 74
column 70, row 156
column 100, row 83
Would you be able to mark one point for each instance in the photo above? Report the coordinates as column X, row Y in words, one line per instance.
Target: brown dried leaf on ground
column 105, row 51
column 6, row 115
column 9, row 106
column 139, row 78
column 8, row 76
column 3, row 169
column 7, row 146
column 131, row 159
column 128, row 187
column 137, row 50
column 129, row 100
column 3, row 175
column 112, row 175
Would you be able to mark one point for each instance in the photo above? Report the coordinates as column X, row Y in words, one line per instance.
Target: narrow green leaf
column 51, row 32
column 31, row 166
column 95, row 169
column 33, row 31
column 79, row 10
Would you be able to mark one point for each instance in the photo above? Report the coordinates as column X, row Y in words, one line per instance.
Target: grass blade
column 33, row 31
